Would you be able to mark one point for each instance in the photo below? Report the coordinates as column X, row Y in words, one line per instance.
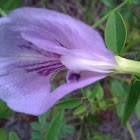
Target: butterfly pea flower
column 36, row 43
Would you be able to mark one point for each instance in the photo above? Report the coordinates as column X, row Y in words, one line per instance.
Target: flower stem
column 99, row 22
column 43, row 3
column 126, row 66
column 131, row 131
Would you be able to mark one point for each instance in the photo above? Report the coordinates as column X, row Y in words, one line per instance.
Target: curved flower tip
column 36, row 43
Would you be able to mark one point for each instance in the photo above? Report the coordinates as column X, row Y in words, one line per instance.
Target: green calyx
column 126, row 66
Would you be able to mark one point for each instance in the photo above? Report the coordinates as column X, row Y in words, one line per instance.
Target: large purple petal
column 25, row 71
column 40, row 100
column 43, row 27
column 25, row 92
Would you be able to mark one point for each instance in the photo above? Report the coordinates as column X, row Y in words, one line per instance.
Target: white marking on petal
column 26, row 56
column 82, row 64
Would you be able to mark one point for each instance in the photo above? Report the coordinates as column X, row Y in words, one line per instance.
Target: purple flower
column 34, row 44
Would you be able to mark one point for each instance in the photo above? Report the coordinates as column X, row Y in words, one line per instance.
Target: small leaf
column 117, row 89
column 93, row 93
column 66, row 129
column 94, row 107
column 43, row 118
column 36, row 126
column 138, row 110
column 69, row 128
column 54, row 127
column 131, row 101
column 120, row 110
column 102, row 104
column 13, row 136
column 115, row 33
column 81, row 109
column 71, row 103
column 100, row 94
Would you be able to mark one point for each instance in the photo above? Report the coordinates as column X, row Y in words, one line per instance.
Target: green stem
column 43, row 3
column 131, row 131
column 126, row 66
column 99, row 22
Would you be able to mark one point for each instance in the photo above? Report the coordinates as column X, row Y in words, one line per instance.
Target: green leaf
column 13, row 136
column 9, row 5
column 94, row 107
column 138, row 110
column 66, row 129
column 43, row 118
column 109, row 3
column 117, row 89
column 131, row 101
column 70, row 103
column 135, row 1
column 5, row 111
column 102, row 104
column 96, row 92
column 54, row 127
column 80, row 110
column 37, row 135
column 120, row 110
column 100, row 94
column 2, row 134
column 36, row 126
column 115, row 33
column 69, row 128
